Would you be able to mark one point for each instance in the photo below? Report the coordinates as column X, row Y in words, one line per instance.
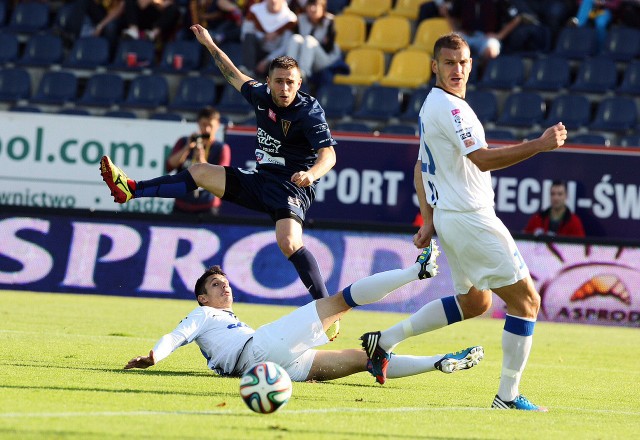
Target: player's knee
column 288, row 245
column 198, row 172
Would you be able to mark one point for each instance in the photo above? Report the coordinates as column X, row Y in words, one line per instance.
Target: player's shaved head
column 449, row 41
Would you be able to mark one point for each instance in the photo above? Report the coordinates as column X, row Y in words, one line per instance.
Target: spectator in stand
column 98, row 18
column 266, row 30
column 155, row 20
column 552, row 13
column 598, row 12
column 222, row 18
column 200, row 147
column 314, row 43
column 558, row 218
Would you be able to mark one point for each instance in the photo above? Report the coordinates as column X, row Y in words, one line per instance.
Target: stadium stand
column 352, row 126
column 408, row 69
column 337, row 100
column 503, row 73
column 351, row 31
column 147, row 91
column 233, row 103
column 522, row 109
column 9, row 48
column 366, row 67
column 194, row 93
column 103, row 90
column 484, row 103
column 499, row 135
column 368, row 8
column 406, row 8
column 622, row 44
column 74, row 112
column 133, row 55
column 404, row 129
column 3, row 13
column 56, row 88
column 590, row 139
column 163, row 116
column 335, row 7
column 88, row 53
column 29, row 17
column 15, row 84
column 379, row 103
column 181, row 56
column 42, row 50
column 595, row 75
column 548, row 74
column 414, row 104
column 574, row 111
column 233, row 49
column 630, row 84
column 576, row 43
column 631, row 140
column 389, row 34
column 25, row 109
column 428, row 32
column 615, row 114
column 122, row 114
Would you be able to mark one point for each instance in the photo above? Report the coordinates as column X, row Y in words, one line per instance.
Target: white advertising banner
column 52, row 161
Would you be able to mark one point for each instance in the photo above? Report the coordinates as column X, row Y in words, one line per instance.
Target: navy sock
column 309, row 272
column 169, row 186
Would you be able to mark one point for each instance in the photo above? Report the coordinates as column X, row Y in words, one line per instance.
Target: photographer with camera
column 200, row 147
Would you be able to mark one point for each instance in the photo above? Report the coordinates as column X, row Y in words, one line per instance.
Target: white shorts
column 479, row 248
column 288, row 341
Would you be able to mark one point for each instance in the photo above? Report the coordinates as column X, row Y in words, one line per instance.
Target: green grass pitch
column 61, row 377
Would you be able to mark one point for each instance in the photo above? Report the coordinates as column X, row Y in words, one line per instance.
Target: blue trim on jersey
column 519, row 326
column 348, row 298
column 451, row 310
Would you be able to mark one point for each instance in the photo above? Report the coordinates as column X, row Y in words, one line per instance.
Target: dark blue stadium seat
column 88, row 53
column 504, row 73
column 8, row 48
column 595, row 75
column 405, row 129
column 233, row 49
column 499, row 135
column 25, row 109
column 616, row 114
column 589, row 138
column 3, row 12
column 66, row 17
column 42, row 50
column 29, row 17
column 380, row 103
column 622, row 44
column 632, row 140
column 336, row 6
column 630, row 84
column 56, row 88
column 484, row 103
column 15, row 84
column 166, row 117
column 103, row 90
column 143, row 50
column 549, row 73
column 189, row 50
column 147, row 91
column 194, row 92
column 574, row 111
column 122, row 114
column 74, row 112
column 337, row 100
column 351, row 126
column 522, row 109
column 576, row 42
column 416, row 99
column 232, row 102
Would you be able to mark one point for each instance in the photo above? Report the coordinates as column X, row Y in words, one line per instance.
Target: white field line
column 31, row 415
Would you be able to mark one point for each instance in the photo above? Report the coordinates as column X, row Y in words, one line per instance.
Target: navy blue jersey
column 288, row 139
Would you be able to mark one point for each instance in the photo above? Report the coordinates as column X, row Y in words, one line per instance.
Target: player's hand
column 422, row 238
column 202, row 35
column 554, row 137
column 303, row 178
column 141, row 361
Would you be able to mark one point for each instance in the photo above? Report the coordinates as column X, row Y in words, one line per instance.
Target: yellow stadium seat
column 351, row 31
column 409, row 69
column 366, row 67
column 389, row 34
column 428, row 32
column 368, row 8
column 407, row 8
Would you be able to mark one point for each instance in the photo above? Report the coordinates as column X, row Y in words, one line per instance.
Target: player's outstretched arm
column 489, row 159
column 141, row 361
column 226, row 66
column 325, row 161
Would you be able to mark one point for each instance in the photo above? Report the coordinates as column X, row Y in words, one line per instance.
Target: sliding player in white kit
column 231, row 347
column 453, row 185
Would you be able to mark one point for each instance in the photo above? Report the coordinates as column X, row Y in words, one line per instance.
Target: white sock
column 430, row 317
column 515, row 352
column 402, row 366
column 375, row 287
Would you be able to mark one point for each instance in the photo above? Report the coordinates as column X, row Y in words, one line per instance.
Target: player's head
column 284, row 80
column 213, row 289
column 452, row 63
column 208, row 121
column 558, row 194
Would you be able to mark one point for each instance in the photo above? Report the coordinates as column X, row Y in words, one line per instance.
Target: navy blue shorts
column 267, row 192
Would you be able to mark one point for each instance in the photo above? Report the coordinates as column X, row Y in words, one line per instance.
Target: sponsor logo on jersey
column 469, row 143
column 321, row 127
column 263, row 157
column 254, row 83
column 272, row 115
column 465, row 135
column 455, row 111
column 266, row 142
column 285, row 126
column 294, row 201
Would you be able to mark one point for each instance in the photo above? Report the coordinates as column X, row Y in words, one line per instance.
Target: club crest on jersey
column 285, row 126
column 272, row 115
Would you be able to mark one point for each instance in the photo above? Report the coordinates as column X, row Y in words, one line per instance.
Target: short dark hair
column 200, row 288
column 448, row 41
column 208, row 112
column 559, row 182
column 283, row 62
column 322, row 3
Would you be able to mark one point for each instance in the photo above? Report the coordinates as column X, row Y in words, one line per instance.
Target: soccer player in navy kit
column 294, row 148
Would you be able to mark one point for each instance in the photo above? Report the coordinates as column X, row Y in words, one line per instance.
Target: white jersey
column 449, row 130
column 220, row 335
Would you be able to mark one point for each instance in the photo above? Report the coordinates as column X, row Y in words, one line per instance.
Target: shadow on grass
column 118, row 390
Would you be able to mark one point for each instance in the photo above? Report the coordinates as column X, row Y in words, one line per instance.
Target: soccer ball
column 265, row 387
